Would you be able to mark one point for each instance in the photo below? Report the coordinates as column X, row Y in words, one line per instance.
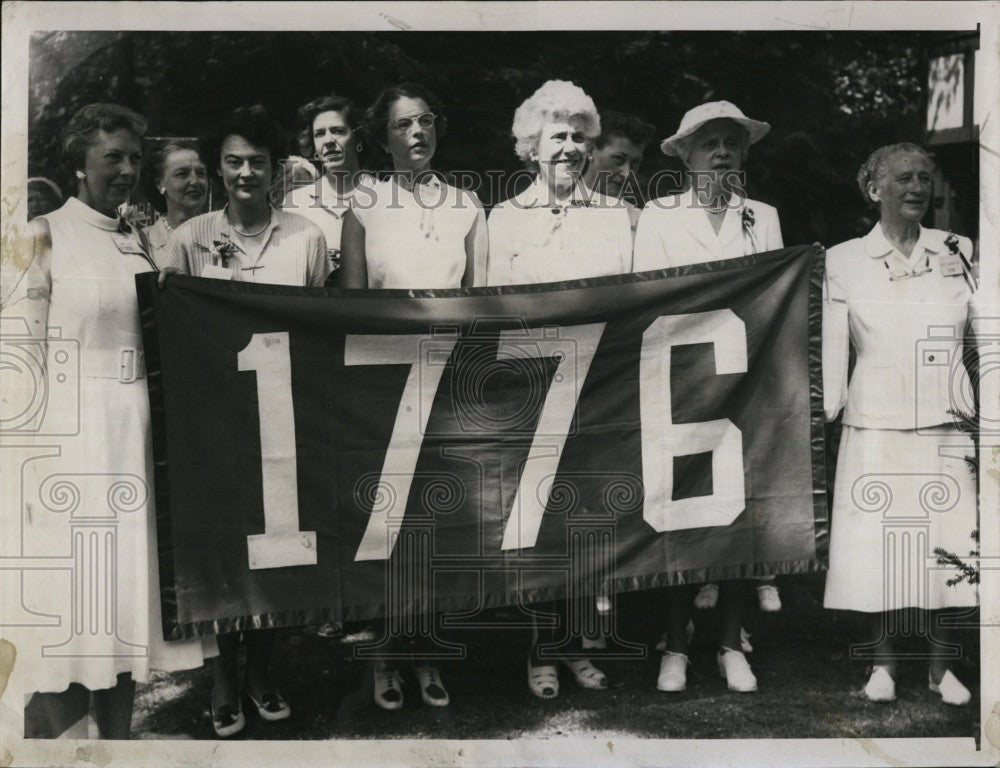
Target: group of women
column 347, row 227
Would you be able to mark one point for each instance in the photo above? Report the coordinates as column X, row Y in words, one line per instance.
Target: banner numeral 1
column 662, row 440
column 282, row 544
column 574, row 347
column 408, row 428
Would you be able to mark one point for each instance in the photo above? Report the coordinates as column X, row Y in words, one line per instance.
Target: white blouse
column 416, row 239
column 532, row 242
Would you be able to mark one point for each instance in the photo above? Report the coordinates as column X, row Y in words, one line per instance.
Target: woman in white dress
column 900, row 296
column 178, row 191
column 80, row 280
column 712, row 220
column 333, row 133
column 558, row 229
column 412, row 230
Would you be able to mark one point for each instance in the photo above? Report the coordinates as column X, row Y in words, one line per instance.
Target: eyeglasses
column 403, row 124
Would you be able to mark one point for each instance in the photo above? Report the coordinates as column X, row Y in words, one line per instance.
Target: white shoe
column 745, row 641
column 388, row 688
column 736, row 671
column 951, row 689
column 768, row 598
column 432, row 690
column 673, row 672
column 880, row 686
column 707, row 597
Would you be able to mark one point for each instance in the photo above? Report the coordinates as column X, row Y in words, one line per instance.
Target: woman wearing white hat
column 712, row 220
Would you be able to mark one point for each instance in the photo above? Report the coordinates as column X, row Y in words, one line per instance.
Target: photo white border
column 21, row 18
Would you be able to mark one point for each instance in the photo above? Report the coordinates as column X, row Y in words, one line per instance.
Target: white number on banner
column 407, row 430
column 662, row 440
column 574, row 348
column 282, row 543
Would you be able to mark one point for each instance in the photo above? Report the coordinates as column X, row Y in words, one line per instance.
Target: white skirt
column 898, row 495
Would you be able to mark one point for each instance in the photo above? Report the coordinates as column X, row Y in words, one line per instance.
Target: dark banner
column 323, row 454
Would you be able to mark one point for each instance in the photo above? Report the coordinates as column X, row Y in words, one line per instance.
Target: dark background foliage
column 831, row 97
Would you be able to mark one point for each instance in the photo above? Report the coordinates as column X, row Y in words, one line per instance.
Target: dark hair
column 332, row 103
column 377, row 115
column 81, row 129
column 632, row 127
column 873, row 167
column 153, row 176
column 252, row 123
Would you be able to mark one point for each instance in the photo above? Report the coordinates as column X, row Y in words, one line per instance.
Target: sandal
column 586, row 674
column 228, row 720
column 543, row 681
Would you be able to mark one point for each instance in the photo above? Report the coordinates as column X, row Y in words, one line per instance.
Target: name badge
column 216, row 272
column 126, row 244
column 951, row 265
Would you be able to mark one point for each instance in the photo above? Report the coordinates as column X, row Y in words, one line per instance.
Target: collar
column 538, row 195
column 877, row 246
column 93, row 217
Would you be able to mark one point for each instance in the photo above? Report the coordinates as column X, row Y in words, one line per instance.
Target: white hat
column 713, row 110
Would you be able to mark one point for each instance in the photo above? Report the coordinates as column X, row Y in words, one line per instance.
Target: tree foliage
column 831, row 97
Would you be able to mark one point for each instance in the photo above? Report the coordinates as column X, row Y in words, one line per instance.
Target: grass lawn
column 808, row 688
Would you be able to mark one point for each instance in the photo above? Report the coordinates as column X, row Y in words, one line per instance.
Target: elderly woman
column 80, row 279
column 178, row 191
column 712, row 220
column 248, row 241
column 883, row 292
column 558, row 229
column 412, row 230
column 332, row 125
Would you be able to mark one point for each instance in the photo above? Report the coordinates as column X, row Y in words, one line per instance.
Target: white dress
column 903, row 486
column 91, row 508
column 416, row 239
column 531, row 242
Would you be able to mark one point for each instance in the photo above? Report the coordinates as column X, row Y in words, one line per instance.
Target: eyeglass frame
column 395, row 124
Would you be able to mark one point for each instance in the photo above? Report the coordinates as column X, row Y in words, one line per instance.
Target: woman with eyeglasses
column 411, row 230
column 901, row 456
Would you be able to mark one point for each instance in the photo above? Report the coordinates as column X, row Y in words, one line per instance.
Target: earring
column 163, row 190
column 80, row 175
column 533, row 157
column 316, row 156
column 359, row 147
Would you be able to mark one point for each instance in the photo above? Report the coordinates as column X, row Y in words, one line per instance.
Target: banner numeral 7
column 575, row 346
column 408, row 428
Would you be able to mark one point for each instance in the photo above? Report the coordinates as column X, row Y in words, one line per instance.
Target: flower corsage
column 749, row 222
column 222, row 251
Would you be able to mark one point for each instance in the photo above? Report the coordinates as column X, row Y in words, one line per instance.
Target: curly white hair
column 555, row 100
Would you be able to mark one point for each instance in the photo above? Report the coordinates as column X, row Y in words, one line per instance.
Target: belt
column 125, row 364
